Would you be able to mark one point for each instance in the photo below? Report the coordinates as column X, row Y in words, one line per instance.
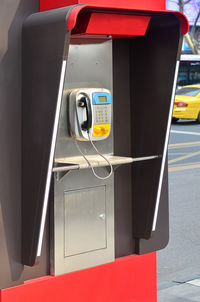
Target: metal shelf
column 78, row 162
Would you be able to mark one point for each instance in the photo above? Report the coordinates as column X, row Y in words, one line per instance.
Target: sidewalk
column 182, row 291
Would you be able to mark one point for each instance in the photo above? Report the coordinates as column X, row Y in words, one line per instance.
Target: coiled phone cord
column 88, row 162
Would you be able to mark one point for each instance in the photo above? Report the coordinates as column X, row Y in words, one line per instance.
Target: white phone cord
column 89, row 164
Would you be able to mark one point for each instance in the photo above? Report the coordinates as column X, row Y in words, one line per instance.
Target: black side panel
column 44, row 37
column 145, row 177
column 144, row 69
column 124, row 244
column 153, row 63
column 12, row 272
column 160, row 237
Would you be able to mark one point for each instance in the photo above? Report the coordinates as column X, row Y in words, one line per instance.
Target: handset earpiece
column 84, row 102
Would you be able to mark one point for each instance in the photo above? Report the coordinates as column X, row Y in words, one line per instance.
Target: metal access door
column 83, row 221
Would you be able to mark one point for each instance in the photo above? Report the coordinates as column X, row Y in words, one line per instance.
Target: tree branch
column 181, row 5
column 197, row 17
column 185, row 2
column 189, row 42
column 194, row 27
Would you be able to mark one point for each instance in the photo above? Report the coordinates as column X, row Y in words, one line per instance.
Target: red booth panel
column 128, row 279
column 129, row 4
column 117, row 25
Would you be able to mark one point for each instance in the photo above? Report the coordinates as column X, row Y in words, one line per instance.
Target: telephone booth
column 98, row 86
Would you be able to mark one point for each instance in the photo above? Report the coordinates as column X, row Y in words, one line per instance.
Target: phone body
column 90, row 113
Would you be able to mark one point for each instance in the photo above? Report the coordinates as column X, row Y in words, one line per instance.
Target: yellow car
column 187, row 103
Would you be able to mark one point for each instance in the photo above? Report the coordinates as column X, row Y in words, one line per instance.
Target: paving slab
column 179, row 292
column 195, row 282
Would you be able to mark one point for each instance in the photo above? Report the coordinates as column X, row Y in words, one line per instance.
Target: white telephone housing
column 90, row 113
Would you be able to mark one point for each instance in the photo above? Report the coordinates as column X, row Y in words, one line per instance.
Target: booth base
column 128, row 279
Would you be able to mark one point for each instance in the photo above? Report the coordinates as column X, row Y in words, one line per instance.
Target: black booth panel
column 153, row 94
column 12, row 272
column 159, row 239
column 124, row 243
column 144, row 69
column 44, row 48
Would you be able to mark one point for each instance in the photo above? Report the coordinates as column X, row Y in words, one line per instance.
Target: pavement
column 178, row 265
column 183, row 292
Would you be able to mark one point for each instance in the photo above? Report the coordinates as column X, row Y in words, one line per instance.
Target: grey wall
column 12, row 14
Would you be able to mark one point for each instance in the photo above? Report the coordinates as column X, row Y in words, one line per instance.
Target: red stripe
column 128, row 279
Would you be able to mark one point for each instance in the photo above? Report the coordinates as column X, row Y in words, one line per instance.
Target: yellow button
column 101, row 130
column 97, row 130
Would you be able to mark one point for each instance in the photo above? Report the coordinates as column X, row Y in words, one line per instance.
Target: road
column 178, row 265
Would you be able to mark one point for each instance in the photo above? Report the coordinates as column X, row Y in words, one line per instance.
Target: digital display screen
column 102, row 99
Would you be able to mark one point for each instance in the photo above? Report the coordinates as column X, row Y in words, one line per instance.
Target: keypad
column 102, row 114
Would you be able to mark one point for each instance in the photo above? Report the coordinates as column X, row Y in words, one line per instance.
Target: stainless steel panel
column 94, row 251
column 80, row 237
column 85, row 220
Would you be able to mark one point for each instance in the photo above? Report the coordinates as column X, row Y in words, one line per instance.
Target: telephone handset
column 90, row 113
column 84, row 102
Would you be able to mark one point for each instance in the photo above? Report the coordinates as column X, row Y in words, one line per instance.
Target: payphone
column 86, row 189
column 85, row 105
column 93, row 99
column 92, row 110
column 90, row 113
column 90, row 118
